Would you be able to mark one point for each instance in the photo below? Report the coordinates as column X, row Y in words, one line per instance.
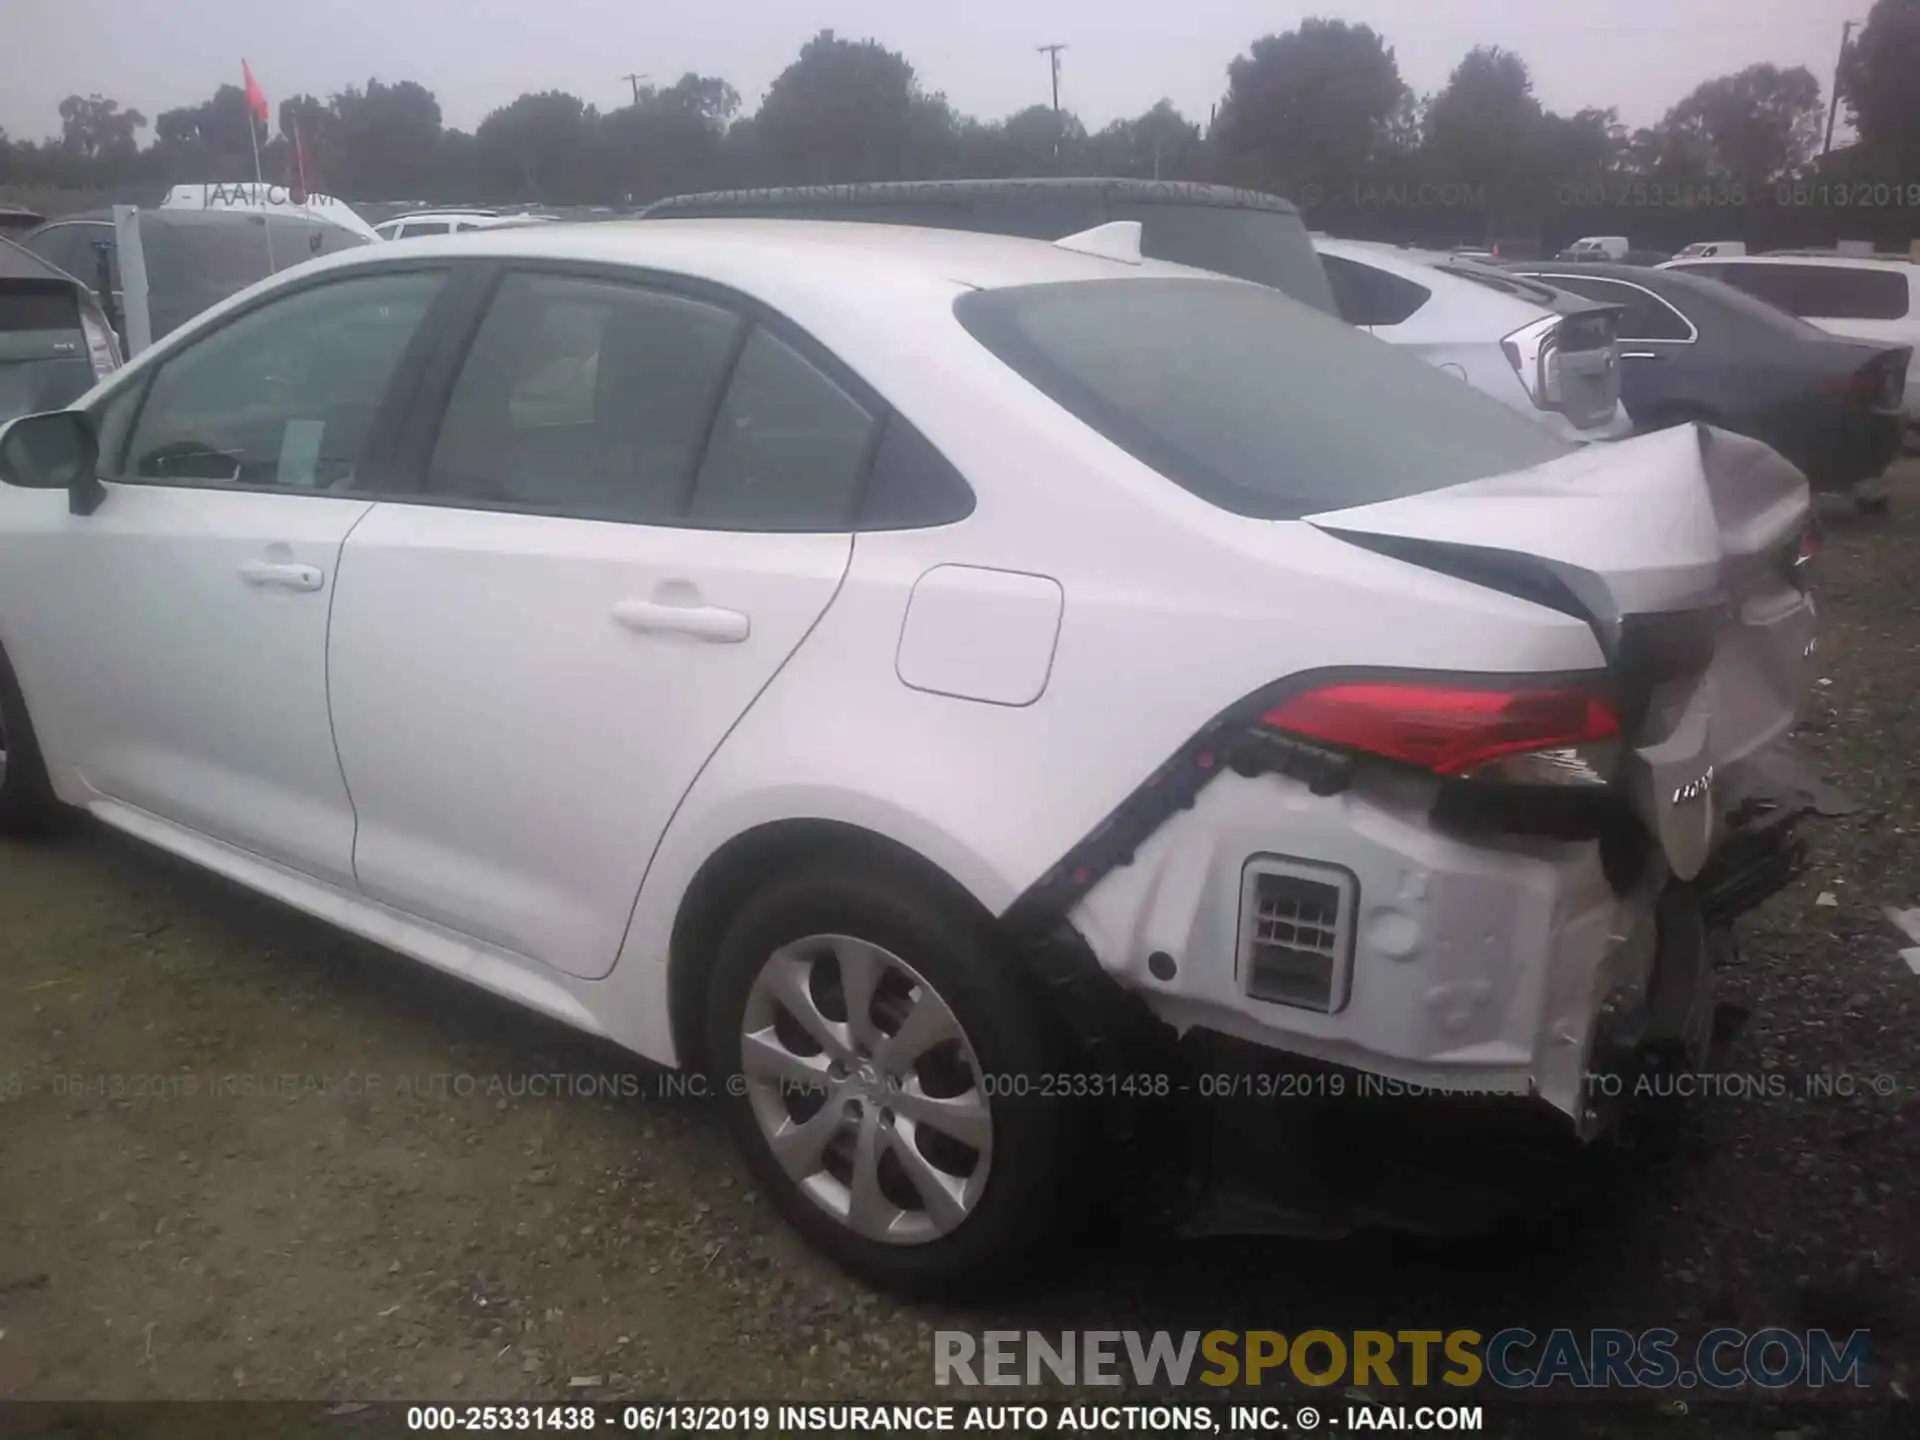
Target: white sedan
column 916, row 678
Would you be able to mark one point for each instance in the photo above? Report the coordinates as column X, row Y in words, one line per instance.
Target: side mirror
column 55, row 451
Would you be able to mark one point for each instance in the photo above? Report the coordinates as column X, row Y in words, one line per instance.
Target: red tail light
column 1445, row 729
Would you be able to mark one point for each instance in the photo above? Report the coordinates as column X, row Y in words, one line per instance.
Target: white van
column 1596, row 247
column 266, row 199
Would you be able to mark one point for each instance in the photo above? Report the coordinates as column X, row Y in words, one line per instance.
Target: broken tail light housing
column 1544, row 734
column 1534, row 352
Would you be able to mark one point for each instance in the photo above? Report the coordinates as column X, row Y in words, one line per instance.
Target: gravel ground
column 404, row 1234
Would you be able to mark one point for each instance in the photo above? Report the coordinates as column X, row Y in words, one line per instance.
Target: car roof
column 901, row 192
column 735, row 252
column 841, row 279
column 1868, row 262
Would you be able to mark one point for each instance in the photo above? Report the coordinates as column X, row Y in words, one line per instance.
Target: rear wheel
column 27, row 802
column 866, row 1032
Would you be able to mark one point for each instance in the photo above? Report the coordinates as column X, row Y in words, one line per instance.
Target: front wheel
column 878, row 1035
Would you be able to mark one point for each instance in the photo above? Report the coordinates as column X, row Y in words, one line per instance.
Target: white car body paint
column 538, row 780
column 978, row 634
column 521, row 661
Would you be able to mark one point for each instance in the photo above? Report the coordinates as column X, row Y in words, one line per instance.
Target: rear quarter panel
column 1173, row 610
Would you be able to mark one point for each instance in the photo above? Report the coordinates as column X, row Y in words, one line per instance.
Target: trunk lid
column 1681, row 550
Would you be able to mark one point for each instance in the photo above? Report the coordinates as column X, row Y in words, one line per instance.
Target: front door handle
column 703, row 622
column 285, row 576
column 1639, row 355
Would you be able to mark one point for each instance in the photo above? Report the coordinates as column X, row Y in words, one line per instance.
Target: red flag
column 256, row 97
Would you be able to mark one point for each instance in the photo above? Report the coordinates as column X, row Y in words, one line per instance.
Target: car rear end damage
column 1504, row 890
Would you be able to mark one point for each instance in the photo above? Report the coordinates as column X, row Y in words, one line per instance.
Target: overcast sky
column 475, row 55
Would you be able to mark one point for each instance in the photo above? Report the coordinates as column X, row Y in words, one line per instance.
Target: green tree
column 669, row 141
column 96, row 132
column 843, row 111
column 1160, row 143
column 541, row 147
column 1756, row 126
column 1314, row 107
column 388, row 137
column 209, row 141
column 1880, row 81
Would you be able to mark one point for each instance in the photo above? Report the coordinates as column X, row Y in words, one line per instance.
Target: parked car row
column 449, row 222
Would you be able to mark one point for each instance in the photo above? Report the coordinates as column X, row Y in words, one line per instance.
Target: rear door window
column 1366, row 296
column 789, row 448
column 585, row 397
column 1255, row 404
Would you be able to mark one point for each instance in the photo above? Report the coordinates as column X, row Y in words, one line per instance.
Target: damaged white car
column 987, row 703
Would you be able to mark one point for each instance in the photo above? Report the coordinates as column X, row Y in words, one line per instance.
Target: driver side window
column 285, row 395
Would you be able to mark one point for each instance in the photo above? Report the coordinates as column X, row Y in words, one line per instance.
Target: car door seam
column 660, row 839
column 326, row 683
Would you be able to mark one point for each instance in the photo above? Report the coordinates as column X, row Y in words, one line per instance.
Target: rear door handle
column 1638, row 355
column 703, row 622
column 281, row 574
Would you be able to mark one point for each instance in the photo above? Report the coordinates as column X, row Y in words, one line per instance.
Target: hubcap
column 866, row 1089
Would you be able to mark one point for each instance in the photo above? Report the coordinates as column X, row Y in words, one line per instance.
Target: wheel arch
column 743, row 863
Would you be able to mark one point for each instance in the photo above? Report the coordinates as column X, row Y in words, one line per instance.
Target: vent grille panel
column 1296, row 926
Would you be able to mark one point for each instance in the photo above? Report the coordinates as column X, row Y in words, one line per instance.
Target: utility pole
column 1833, row 105
column 634, row 80
column 1052, row 52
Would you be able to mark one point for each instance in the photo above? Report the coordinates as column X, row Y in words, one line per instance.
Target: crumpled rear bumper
column 1257, row 1132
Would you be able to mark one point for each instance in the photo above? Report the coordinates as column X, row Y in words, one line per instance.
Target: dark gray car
column 1242, row 233
column 1696, row 349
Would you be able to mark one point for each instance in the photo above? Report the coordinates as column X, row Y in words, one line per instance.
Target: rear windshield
column 1255, row 403
column 1268, row 247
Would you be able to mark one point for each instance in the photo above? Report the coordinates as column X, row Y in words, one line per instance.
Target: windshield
column 1253, row 402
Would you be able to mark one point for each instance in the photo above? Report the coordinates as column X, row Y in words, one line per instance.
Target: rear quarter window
column 1366, row 296
column 1257, row 404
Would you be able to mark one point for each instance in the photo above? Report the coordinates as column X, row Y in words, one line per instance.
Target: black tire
column 1012, row 1032
column 27, row 803
column 1873, row 504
